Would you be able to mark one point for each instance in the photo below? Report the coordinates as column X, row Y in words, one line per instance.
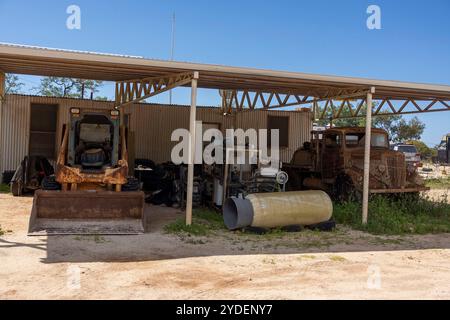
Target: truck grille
column 397, row 170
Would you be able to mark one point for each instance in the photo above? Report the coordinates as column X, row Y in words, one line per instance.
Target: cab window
column 353, row 140
column 333, row 140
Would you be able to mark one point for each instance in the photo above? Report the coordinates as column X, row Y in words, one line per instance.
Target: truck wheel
column 344, row 189
column 131, row 185
column 49, row 183
column 16, row 188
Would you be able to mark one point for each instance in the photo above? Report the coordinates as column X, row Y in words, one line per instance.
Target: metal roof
column 33, row 60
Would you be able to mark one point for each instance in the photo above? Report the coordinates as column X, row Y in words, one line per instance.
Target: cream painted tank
column 271, row 210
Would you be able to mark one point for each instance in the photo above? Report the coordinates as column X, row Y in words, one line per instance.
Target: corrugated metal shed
column 152, row 125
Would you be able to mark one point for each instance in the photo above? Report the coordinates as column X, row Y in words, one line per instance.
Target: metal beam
column 246, row 100
column 132, row 91
column 386, row 107
column 336, row 102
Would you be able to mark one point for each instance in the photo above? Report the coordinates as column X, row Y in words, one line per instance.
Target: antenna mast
column 172, row 50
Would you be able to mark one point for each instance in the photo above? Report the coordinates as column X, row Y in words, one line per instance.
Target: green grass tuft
column 442, row 183
column 337, row 259
column 204, row 223
column 408, row 215
column 3, row 231
column 4, row 188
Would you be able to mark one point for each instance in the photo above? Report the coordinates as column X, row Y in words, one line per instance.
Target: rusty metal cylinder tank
column 271, row 210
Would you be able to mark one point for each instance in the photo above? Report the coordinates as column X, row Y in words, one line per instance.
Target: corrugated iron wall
column 15, row 126
column 152, row 124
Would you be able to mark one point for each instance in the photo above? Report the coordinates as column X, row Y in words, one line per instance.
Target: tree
column 347, row 122
column 407, row 130
column 386, row 122
column 88, row 87
column 399, row 129
column 68, row 87
column 12, row 84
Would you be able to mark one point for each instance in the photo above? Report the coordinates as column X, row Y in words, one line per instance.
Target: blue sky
column 326, row 37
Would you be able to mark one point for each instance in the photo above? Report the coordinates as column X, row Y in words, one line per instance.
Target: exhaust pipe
column 281, row 209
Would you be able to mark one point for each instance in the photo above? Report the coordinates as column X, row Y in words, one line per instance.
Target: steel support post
column 368, row 139
column 192, row 120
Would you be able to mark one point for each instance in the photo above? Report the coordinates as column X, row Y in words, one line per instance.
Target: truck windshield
column 353, row 140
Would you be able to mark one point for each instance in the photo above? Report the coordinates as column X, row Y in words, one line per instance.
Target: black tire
column 145, row 162
column 7, row 176
column 131, row 185
column 16, row 188
column 326, row 226
column 49, row 183
column 345, row 191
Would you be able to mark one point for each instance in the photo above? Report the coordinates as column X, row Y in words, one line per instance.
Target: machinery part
column 218, row 192
column 29, row 175
column 16, row 188
column 271, row 210
column 197, row 190
column 282, row 177
column 344, row 189
column 131, row 185
column 313, row 183
column 145, row 163
column 50, row 183
column 96, row 212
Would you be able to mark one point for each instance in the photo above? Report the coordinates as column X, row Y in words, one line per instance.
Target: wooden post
column 367, row 145
column 190, row 179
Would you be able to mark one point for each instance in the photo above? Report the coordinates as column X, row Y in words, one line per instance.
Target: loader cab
column 93, row 140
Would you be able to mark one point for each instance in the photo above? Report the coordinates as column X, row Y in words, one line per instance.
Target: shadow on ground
column 157, row 245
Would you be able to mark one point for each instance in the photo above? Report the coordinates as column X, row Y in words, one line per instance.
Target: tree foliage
column 399, row 129
column 68, row 87
column 425, row 151
column 407, row 130
column 12, row 84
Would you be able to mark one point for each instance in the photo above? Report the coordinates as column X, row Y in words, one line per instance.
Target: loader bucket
column 87, row 213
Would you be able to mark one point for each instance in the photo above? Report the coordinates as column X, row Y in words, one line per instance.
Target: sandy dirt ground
column 344, row 264
column 437, row 171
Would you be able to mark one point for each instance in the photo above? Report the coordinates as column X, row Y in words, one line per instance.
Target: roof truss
column 334, row 103
column 132, row 91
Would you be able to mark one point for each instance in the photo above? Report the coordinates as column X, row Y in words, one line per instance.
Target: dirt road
column 307, row 265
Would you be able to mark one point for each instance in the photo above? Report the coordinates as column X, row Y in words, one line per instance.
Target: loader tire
column 16, row 188
column 131, row 185
column 7, row 176
column 50, row 183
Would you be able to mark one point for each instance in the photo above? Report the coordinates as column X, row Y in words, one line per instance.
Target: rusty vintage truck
column 333, row 161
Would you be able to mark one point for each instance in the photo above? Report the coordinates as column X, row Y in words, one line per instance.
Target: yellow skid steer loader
column 90, row 192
